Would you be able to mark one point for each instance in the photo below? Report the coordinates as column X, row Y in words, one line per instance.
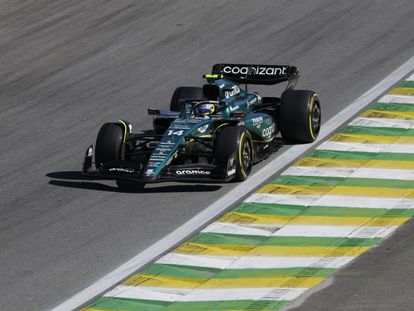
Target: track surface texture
column 69, row 66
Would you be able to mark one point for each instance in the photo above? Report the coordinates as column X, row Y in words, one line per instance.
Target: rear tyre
column 108, row 144
column 185, row 92
column 234, row 144
column 300, row 116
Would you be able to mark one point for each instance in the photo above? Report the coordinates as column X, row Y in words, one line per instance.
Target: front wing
column 129, row 170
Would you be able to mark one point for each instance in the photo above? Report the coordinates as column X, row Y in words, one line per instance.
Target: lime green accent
column 125, row 129
column 213, row 76
column 240, row 155
column 352, row 155
column 310, row 117
column 294, row 210
column 392, row 107
column 383, row 131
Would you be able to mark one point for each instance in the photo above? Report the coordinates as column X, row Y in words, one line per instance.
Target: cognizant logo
column 257, row 70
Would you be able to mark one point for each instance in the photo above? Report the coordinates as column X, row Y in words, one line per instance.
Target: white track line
column 232, row 196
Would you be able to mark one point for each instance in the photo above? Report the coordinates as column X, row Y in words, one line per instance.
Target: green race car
column 211, row 133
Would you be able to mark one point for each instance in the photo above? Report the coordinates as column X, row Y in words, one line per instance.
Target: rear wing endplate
column 256, row 74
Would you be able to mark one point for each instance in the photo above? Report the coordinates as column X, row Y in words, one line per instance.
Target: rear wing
column 257, row 74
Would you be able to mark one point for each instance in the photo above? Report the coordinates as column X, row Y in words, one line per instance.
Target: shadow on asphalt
column 75, row 179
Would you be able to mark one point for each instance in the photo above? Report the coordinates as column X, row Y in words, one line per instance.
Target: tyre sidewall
column 228, row 150
column 296, row 124
column 108, row 146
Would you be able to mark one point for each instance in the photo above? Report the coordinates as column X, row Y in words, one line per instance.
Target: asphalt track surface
column 68, row 66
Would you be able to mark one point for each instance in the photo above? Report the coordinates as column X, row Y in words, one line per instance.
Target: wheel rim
column 246, row 155
column 316, row 117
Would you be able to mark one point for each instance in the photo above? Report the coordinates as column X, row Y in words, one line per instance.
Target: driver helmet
column 204, row 110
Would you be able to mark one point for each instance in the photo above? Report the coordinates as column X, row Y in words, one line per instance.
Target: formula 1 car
column 211, row 133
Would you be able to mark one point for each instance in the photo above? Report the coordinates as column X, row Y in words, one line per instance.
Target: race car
column 216, row 132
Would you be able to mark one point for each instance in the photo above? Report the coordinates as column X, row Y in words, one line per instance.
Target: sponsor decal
column 268, row 132
column 90, row 152
column 254, row 100
column 158, row 156
column 231, row 172
column 257, row 70
column 121, row 169
column 180, row 127
column 203, row 128
column 176, row 133
column 192, row 172
column 233, row 108
column 149, row 172
column 235, row 90
column 163, row 149
column 257, row 121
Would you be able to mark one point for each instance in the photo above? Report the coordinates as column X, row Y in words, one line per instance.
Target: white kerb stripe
column 327, row 230
column 410, row 78
column 244, row 229
column 148, row 293
column 350, row 172
column 206, row 294
column 319, row 171
column 383, row 122
column 364, row 232
column 259, row 262
column 333, row 200
column 253, row 262
column 347, row 146
column 219, row 262
column 399, row 99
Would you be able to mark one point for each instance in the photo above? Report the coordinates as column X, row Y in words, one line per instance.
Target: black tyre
column 300, row 116
column 185, row 92
column 108, row 144
column 234, row 142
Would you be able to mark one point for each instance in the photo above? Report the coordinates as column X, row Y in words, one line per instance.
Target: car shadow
column 75, row 179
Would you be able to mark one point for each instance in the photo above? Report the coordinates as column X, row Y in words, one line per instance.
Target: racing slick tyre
column 108, row 146
column 233, row 151
column 300, row 116
column 185, row 92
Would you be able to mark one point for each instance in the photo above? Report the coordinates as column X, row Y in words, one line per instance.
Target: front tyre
column 300, row 116
column 233, row 151
column 108, row 146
